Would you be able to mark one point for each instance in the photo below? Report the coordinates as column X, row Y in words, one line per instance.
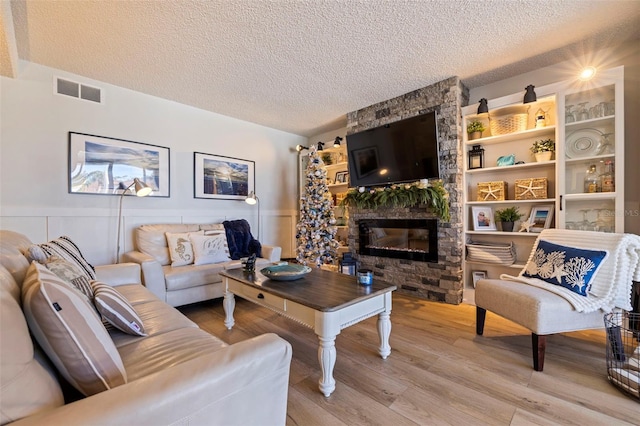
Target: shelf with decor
column 585, row 122
column 507, row 175
column 591, row 171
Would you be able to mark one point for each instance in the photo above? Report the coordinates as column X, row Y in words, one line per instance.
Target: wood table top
column 321, row 290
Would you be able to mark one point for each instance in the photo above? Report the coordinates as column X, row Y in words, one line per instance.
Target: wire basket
column 623, row 351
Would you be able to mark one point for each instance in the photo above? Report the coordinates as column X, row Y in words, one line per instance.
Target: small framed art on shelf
column 540, row 218
column 482, row 217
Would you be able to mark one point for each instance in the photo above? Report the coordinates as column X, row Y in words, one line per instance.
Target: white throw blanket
column 611, row 286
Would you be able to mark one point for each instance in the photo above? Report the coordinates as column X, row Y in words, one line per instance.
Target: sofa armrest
column 152, row 275
column 244, row 384
column 119, row 274
column 271, row 253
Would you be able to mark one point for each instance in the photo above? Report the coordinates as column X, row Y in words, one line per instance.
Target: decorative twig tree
column 316, row 231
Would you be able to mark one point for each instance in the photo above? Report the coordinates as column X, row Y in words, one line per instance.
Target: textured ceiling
column 300, row 66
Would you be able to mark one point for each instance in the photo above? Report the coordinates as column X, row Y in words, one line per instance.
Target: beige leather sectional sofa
column 181, row 285
column 177, row 374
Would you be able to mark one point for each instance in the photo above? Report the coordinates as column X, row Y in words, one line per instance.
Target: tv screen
column 403, row 151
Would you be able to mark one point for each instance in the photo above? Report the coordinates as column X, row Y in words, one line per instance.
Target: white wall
column 34, row 196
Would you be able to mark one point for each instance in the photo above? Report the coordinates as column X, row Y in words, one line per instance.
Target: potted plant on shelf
column 475, row 129
column 508, row 217
column 543, row 149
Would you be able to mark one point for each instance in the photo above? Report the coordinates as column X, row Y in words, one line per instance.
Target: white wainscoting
column 95, row 231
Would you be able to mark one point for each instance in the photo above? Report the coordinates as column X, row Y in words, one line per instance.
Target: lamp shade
column 141, row 188
column 483, row 107
column 251, row 199
column 530, row 95
column 300, row 147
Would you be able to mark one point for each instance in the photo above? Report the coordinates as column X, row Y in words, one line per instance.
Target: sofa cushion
column 116, row 310
column 180, row 247
column 66, row 249
column 70, row 273
column 156, row 353
column 70, row 332
column 209, row 248
column 192, row 275
column 27, row 387
column 152, row 240
column 158, row 318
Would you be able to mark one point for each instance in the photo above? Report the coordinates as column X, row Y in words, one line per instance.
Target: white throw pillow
column 180, row 248
column 209, row 248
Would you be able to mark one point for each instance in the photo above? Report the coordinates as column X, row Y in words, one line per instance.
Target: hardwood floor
column 439, row 371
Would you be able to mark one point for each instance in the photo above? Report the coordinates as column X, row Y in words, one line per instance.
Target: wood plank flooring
column 439, row 371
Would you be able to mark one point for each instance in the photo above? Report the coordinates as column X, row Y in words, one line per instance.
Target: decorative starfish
column 530, row 188
column 490, row 192
column 558, row 273
column 525, row 227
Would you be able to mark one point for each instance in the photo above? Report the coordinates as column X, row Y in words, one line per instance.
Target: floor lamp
column 142, row 190
column 252, row 199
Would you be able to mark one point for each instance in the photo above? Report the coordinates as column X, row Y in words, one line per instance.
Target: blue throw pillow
column 570, row 267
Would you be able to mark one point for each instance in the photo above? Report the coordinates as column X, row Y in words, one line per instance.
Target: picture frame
column 482, row 218
column 540, row 217
column 342, row 177
column 107, row 166
column 220, row 177
column 477, row 276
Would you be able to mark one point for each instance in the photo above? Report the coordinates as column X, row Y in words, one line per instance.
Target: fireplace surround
column 410, row 239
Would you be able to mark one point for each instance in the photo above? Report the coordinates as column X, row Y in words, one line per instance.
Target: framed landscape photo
column 103, row 165
column 482, row 218
column 219, row 177
column 540, row 218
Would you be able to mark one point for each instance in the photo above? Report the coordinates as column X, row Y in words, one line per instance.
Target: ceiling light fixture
column 587, row 73
column 336, row 143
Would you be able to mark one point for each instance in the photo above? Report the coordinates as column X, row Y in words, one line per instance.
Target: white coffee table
column 324, row 301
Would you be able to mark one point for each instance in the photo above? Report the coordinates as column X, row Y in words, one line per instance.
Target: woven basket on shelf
column 501, row 125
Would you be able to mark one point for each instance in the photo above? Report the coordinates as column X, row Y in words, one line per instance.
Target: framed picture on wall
column 103, row 165
column 226, row 178
column 540, row 218
column 482, row 218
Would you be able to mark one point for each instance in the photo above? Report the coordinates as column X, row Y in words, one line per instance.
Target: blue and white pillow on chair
column 569, row 267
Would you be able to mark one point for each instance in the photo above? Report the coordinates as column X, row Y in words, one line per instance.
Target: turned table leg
column 327, row 358
column 229, row 305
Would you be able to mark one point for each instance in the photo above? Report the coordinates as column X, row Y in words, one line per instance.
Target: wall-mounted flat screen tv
column 404, row 151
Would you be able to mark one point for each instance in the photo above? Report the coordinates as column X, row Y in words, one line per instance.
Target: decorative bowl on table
column 285, row 272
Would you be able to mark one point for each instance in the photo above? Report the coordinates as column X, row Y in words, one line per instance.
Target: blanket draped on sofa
column 239, row 239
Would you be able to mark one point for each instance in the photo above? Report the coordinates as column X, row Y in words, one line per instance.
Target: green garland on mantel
column 433, row 194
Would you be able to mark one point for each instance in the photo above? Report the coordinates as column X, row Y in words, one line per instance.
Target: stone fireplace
column 440, row 278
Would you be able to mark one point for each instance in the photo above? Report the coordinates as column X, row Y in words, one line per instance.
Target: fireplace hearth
column 410, row 239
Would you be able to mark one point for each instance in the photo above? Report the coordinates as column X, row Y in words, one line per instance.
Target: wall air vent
column 77, row 90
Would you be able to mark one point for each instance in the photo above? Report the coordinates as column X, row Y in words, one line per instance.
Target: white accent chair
column 549, row 309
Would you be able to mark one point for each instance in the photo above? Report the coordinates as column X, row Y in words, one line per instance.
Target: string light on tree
column 316, row 231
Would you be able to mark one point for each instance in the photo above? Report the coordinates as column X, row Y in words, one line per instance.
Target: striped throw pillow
column 65, row 248
column 68, row 329
column 116, row 310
